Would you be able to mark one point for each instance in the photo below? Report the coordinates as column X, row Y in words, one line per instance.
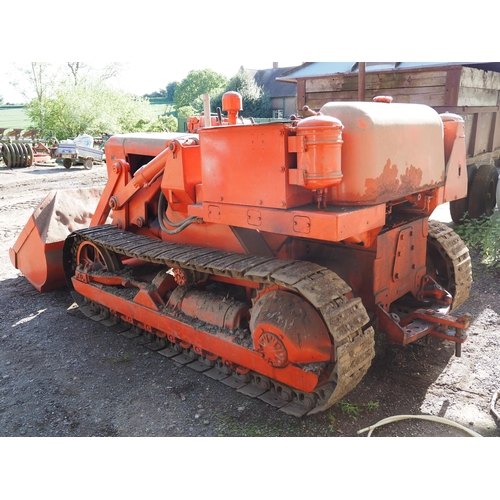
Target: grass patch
column 354, row 410
column 229, row 426
column 122, row 359
column 14, row 117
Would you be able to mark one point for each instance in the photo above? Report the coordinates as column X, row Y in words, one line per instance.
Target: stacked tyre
column 17, row 154
column 481, row 194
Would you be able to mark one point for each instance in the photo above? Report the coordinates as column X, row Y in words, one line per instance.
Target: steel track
column 344, row 317
column 457, row 258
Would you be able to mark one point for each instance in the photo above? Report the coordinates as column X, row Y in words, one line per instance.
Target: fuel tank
column 390, row 150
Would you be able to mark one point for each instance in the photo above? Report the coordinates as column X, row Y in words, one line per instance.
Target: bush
column 483, row 236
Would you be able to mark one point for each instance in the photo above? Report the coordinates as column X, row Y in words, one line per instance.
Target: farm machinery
column 268, row 255
column 19, row 148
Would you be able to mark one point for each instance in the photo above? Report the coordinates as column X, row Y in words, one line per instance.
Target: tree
column 38, row 79
column 170, row 90
column 196, row 83
column 75, row 69
column 185, row 111
column 1, row 100
column 165, row 123
column 91, row 108
column 158, row 93
column 78, row 71
column 256, row 102
column 167, row 92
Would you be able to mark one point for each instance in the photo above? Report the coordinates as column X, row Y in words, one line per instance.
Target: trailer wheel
column 67, row 163
column 482, row 197
column 88, row 164
column 458, row 208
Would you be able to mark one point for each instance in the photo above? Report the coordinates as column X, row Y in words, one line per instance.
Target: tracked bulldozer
column 268, row 255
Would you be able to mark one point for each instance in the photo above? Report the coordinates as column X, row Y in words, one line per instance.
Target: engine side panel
column 248, row 165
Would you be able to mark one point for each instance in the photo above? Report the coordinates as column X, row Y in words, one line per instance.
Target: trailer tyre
column 88, row 164
column 458, row 208
column 482, row 196
column 67, row 162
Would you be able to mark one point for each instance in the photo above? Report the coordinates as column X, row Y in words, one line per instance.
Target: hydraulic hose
column 164, row 221
column 421, row 417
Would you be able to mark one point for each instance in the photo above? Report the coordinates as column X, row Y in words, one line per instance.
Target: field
column 13, row 117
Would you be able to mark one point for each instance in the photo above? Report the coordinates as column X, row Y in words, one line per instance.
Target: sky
column 145, row 77
column 162, row 42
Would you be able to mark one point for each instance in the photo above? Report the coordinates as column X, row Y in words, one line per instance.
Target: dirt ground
column 65, row 375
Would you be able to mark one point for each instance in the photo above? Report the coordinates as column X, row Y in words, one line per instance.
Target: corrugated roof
column 316, row 69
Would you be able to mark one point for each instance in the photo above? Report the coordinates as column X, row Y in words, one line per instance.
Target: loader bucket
column 37, row 252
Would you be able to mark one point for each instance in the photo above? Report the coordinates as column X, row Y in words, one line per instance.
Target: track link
column 456, row 254
column 343, row 317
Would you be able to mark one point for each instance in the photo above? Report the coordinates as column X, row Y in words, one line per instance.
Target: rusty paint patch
column 389, row 185
column 411, row 179
column 387, row 182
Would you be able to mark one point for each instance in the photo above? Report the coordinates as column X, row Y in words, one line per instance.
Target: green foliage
column 166, row 93
column 37, row 79
column 122, row 359
column 1, row 100
column 170, row 90
column 186, row 111
column 166, row 123
column 91, row 108
column 231, row 426
column 351, row 409
column 354, row 409
column 332, row 421
column 256, row 102
column 483, row 236
column 196, row 83
column 372, row 405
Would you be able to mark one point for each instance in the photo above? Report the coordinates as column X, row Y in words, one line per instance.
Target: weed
column 331, row 422
column 483, row 236
column 351, row 409
column 355, row 409
column 121, row 359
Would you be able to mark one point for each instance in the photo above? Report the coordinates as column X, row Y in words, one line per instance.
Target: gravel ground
column 64, row 375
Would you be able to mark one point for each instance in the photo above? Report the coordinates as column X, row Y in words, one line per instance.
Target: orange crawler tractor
column 267, row 255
